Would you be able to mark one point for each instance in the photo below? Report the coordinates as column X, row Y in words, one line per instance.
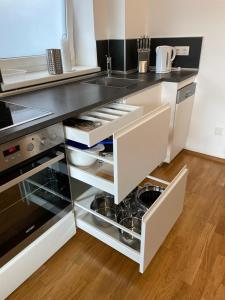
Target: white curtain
column 84, row 33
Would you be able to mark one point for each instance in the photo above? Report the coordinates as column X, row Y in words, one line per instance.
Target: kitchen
column 140, row 122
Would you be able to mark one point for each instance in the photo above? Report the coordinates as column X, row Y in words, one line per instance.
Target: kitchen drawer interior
column 95, row 125
column 122, row 222
column 113, row 172
column 136, row 227
column 92, row 167
column 149, row 99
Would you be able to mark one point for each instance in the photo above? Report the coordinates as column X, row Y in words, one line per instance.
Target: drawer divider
column 157, row 179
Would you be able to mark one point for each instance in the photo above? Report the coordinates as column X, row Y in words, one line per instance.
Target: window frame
column 35, row 63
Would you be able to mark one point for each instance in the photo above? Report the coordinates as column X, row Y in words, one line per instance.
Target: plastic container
column 82, row 159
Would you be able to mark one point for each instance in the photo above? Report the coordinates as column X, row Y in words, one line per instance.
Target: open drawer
column 155, row 224
column 112, row 117
column 138, row 149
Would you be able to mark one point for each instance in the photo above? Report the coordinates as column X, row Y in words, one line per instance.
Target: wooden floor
column 189, row 265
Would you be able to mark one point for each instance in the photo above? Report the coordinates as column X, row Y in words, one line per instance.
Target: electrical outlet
column 182, row 50
column 219, row 131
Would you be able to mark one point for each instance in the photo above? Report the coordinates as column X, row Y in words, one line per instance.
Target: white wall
column 101, row 18
column 116, row 19
column 136, row 15
column 199, row 18
column 120, row 19
column 109, row 19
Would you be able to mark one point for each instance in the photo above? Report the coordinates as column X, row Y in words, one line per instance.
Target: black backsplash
column 190, row 61
column 102, row 51
column 131, row 54
column 116, row 50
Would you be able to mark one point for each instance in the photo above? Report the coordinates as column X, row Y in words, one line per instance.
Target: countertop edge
column 22, row 130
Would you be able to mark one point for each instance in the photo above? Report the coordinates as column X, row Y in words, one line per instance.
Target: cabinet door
column 149, row 98
column 139, row 149
column 181, row 125
column 161, row 217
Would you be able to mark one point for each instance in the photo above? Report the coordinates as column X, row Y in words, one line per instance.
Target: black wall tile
column 116, row 51
column 114, row 48
column 191, row 61
column 131, row 54
column 102, row 51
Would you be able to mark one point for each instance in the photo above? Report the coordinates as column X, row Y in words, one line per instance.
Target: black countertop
column 70, row 99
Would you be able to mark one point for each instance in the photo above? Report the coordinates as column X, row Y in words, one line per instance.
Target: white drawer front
column 161, row 217
column 156, row 223
column 139, row 149
column 111, row 122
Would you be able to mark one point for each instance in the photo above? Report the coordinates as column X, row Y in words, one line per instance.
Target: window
column 29, row 27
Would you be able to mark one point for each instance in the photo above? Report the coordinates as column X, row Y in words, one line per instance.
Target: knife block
column 143, row 56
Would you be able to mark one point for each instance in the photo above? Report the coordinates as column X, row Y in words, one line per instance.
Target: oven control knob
column 30, row 147
column 54, row 136
column 44, row 141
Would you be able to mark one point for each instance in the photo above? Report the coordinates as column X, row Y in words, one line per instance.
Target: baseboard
column 206, row 156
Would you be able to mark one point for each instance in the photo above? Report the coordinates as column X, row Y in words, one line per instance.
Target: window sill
column 34, row 78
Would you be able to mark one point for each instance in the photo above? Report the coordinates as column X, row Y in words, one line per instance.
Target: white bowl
column 82, row 159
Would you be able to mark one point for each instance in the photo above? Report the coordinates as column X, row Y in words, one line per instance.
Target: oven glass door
column 33, row 197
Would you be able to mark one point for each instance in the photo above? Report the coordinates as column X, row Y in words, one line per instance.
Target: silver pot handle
column 59, row 156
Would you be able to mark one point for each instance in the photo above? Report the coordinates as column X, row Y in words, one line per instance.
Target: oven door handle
column 59, row 156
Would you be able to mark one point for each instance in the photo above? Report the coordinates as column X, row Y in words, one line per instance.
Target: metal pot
column 104, row 205
column 134, row 224
column 147, row 195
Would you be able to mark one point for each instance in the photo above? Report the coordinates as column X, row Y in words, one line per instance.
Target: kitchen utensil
column 82, row 159
column 108, row 143
column 77, row 145
column 165, row 55
column 85, row 125
column 134, row 224
column 54, row 61
column 147, row 195
column 129, row 207
column 143, row 48
column 104, row 205
column 138, row 43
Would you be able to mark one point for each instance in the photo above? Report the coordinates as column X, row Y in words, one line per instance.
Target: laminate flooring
column 189, row 265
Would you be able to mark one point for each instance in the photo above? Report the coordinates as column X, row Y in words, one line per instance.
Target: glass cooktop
column 13, row 114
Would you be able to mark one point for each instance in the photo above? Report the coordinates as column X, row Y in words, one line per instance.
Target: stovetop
column 13, row 114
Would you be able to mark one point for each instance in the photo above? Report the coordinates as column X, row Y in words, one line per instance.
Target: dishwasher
column 182, row 119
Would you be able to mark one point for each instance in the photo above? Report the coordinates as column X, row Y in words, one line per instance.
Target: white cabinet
column 112, row 117
column 139, row 149
column 140, row 139
column 181, row 112
column 156, row 223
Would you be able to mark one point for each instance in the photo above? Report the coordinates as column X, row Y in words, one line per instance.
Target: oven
column 34, row 189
